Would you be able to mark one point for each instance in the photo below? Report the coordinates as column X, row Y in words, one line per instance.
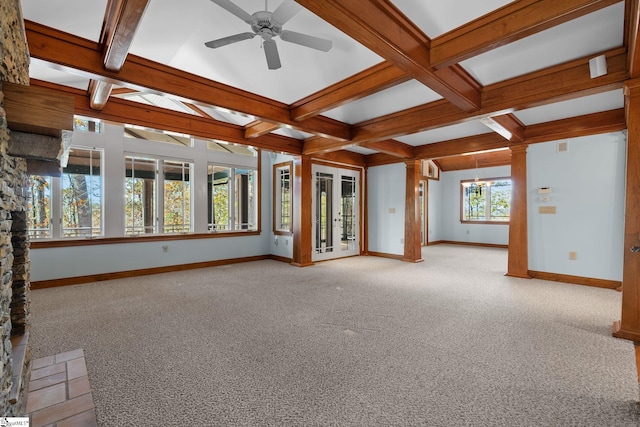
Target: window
column 68, row 206
column 82, row 194
column 39, row 207
column 232, row 198
column 144, row 177
column 486, row 200
column 282, row 206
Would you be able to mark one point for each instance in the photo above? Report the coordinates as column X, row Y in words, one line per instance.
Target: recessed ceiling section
column 593, row 33
column 575, row 107
column 243, row 64
column 400, row 97
column 60, row 14
column 436, row 17
column 41, row 70
column 446, row 133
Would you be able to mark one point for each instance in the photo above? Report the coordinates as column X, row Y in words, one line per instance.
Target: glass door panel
column 335, row 208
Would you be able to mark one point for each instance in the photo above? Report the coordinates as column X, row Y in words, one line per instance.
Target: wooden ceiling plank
column 390, row 146
column 632, row 37
column 374, row 79
column 508, row 24
column 381, row 27
column 130, row 112
column 259, row 128
column 83, row 57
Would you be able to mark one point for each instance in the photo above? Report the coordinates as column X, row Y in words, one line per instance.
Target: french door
column 336, row 212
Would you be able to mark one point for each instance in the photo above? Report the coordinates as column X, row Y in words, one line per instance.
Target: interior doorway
column 335, row 212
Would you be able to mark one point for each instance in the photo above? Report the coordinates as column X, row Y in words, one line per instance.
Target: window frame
column 233, row 193
column 159, row 225
column 487, row 198
column 277, row 198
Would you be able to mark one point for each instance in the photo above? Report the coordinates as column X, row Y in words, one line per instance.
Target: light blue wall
column 587, row 188
column 434, row 211
column 386, row 190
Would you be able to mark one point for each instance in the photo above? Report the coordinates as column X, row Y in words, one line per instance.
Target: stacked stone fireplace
column 14, row 241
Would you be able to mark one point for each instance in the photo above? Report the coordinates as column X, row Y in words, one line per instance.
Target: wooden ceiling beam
column 574, row 127
column 83, row 57
column 317, row 145
column 558, row 83
column 123, row 111
column 506, row 125
column 374, row 79
column 121, row 21
column 632, row 36
column 390, row 146
column 508, row 24
column 259, row 128
column 381, row 27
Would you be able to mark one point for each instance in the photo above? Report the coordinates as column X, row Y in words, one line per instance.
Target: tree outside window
column 485, row 200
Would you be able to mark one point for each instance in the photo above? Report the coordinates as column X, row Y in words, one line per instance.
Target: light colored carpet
column 355, row 342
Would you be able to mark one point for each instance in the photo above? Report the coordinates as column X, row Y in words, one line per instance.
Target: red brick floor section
column 59, row 392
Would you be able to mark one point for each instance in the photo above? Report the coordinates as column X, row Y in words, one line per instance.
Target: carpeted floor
column 362, row 341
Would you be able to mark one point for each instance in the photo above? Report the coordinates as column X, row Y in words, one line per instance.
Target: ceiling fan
column 268, row 25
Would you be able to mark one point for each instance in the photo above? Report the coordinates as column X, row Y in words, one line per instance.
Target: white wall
column 386, row 189
column 587, row 188
column 451, row 227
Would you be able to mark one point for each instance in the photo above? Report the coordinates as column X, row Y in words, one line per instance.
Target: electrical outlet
column 165, row 248
column 573, row 255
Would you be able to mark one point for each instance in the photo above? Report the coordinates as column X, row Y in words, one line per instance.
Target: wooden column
column 518, row 264
column 629, row 325
column 412, row 247
column 302, row 226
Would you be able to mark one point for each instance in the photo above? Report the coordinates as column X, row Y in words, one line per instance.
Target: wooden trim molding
column 77, row 280
column 576, row 280
column 385, row 255
column 479, row 244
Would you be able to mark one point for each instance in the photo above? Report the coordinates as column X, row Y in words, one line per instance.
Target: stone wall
column 14, row 263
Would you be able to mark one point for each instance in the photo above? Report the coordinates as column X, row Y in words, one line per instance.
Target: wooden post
column 629, row 325
column 302, row 227
column 518, row 263
column 412, row 246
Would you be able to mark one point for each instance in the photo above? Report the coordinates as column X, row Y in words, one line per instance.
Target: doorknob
column 635, row 248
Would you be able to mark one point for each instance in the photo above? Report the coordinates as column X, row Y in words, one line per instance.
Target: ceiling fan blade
column 232, row 8
column 228, row 40
column 306, row 40
column 271, row 52
column 285, row 11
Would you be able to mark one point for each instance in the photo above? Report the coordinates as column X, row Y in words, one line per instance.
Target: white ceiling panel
column 461, row 130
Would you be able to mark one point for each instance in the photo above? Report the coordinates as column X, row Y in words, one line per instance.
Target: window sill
column 44, row 244
column 486, row 222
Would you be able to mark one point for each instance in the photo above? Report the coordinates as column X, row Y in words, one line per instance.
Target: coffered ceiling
column 404, row 78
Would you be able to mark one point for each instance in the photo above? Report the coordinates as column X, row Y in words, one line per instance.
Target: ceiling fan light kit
column 268, row 25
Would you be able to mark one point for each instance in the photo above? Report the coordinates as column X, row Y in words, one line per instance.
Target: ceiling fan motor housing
column 263, row 26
